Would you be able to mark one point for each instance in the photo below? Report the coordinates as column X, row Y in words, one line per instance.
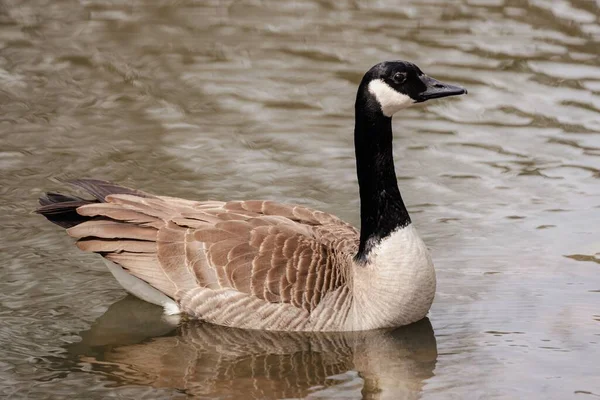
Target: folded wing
column 268, row 251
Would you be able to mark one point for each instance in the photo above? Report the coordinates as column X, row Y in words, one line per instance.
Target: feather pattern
column 249, row 264
column 254, row 264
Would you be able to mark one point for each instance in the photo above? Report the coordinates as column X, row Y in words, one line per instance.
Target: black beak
column 436, row 89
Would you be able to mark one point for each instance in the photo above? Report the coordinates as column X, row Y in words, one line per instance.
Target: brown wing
column 276, row 252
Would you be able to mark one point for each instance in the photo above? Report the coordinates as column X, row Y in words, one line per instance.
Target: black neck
column 381, row 207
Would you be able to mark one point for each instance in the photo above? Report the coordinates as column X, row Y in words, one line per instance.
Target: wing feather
column 275, row 252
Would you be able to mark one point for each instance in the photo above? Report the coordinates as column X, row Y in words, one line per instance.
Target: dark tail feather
column 100, row 189
column 61, row 209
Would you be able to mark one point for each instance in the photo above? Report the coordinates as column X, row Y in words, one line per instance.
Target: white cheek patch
column 389, row 99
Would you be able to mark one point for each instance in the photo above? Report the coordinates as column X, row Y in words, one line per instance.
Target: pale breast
column 397, row 286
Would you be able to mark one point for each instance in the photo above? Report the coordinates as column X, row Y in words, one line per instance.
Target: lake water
column 254, row 99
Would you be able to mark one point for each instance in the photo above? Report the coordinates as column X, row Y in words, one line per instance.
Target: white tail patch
column 171, row 308
column 390, row 100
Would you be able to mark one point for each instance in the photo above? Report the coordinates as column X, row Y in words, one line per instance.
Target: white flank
column 390, row 100
column 142, row 290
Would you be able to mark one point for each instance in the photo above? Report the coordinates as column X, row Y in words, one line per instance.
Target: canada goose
column 268, row 265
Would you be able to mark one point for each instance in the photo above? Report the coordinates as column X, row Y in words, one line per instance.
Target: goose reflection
column 133, row 344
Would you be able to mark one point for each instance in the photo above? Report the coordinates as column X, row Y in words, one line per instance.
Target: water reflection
column 133, row 344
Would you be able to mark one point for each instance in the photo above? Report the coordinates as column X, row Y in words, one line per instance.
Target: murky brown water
column 254, row 99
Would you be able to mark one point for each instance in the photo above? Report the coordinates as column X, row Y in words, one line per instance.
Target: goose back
column 252, row 264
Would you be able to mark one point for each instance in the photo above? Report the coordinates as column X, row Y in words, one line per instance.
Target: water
column 254, row 99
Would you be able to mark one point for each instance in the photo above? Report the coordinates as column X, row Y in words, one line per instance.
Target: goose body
column 268, row 265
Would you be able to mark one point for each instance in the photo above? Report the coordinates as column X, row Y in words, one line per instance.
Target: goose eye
column 399, row 77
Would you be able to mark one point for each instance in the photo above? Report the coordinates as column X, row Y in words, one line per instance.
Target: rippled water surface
column 254, row 99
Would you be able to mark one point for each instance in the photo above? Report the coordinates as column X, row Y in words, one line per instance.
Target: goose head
column 391, row 86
